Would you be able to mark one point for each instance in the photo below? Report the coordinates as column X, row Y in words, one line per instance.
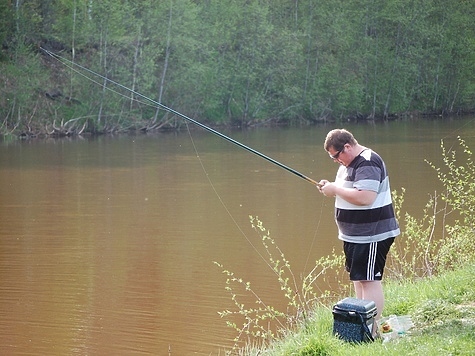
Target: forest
column 230, row 63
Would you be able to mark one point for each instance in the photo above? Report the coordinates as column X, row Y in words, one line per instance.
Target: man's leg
column 358, row 289
column 371, row 290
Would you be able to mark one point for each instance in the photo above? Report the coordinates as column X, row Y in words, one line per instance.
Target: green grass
column 442, row 309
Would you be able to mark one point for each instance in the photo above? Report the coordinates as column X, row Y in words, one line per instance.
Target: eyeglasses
column 335, row 156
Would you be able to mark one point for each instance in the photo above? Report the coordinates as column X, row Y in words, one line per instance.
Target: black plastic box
column 353, row 319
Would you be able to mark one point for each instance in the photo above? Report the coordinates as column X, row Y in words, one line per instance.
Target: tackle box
column 353, row 319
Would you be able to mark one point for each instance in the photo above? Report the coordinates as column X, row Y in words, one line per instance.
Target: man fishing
column 364, row 212
column 363, row 206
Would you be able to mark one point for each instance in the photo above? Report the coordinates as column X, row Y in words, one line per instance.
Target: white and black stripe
column 367, row 223
column 373, row 253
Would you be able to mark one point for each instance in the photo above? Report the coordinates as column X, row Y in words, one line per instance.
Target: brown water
column 107, row 245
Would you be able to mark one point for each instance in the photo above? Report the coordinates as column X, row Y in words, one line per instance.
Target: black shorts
column 365, row 262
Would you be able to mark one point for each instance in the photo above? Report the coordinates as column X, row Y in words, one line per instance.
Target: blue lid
column 355, row 304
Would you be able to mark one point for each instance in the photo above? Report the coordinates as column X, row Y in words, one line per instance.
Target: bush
column 264, row 322
column 431, row 244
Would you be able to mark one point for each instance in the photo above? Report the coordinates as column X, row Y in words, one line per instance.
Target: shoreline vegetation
column 442, row 309
column 229, row 64
column 429, row 277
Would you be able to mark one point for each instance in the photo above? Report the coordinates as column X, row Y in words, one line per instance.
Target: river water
column 108, row 244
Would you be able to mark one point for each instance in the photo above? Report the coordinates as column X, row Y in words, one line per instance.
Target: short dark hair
column 338, row 138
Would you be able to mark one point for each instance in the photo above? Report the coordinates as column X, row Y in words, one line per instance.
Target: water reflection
column 107, row 245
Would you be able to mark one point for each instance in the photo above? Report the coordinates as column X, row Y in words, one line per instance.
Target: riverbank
column 76, row 128
column 442, row 309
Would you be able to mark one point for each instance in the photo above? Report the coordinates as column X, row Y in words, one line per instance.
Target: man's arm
column 351, row 195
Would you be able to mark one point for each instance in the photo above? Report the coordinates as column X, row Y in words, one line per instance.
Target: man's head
column 338, row 138
column 336, row 142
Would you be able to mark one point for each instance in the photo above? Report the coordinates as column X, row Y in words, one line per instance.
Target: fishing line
column 458, row 129
column 65, row 62
column 234, row 220
column 314, row 236
column 160, row 105
column 221, row 200
column 150, row 102
column 454, row 131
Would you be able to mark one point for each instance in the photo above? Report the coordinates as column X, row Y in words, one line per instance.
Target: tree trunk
column 165, row 64
column 135, row 67
column 104, row 84
column 73, row 50
column 436, row 84
column 393, row 72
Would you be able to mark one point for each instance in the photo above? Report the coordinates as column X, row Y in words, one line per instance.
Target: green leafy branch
column 264, row 323
column 443, row 237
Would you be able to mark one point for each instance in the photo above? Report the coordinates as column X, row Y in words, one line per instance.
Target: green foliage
column 414, row 251
column 20, row 98
column 6, row 23
column 243, row 63
column 442, row 308
column 263, row 322
column 442, row 239
column 432, row 311
column 459, row 181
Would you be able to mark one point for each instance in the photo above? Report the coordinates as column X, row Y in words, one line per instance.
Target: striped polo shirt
column 367, row 223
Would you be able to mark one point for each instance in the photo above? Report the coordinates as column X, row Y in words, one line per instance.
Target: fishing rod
column 174, row 112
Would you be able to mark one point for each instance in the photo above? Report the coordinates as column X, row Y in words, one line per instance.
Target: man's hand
column 327, row 188
column 324, row 187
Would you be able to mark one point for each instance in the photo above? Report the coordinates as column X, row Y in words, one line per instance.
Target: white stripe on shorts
column 373, row 252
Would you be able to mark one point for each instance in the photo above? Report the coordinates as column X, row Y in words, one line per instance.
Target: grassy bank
column 442, row 309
